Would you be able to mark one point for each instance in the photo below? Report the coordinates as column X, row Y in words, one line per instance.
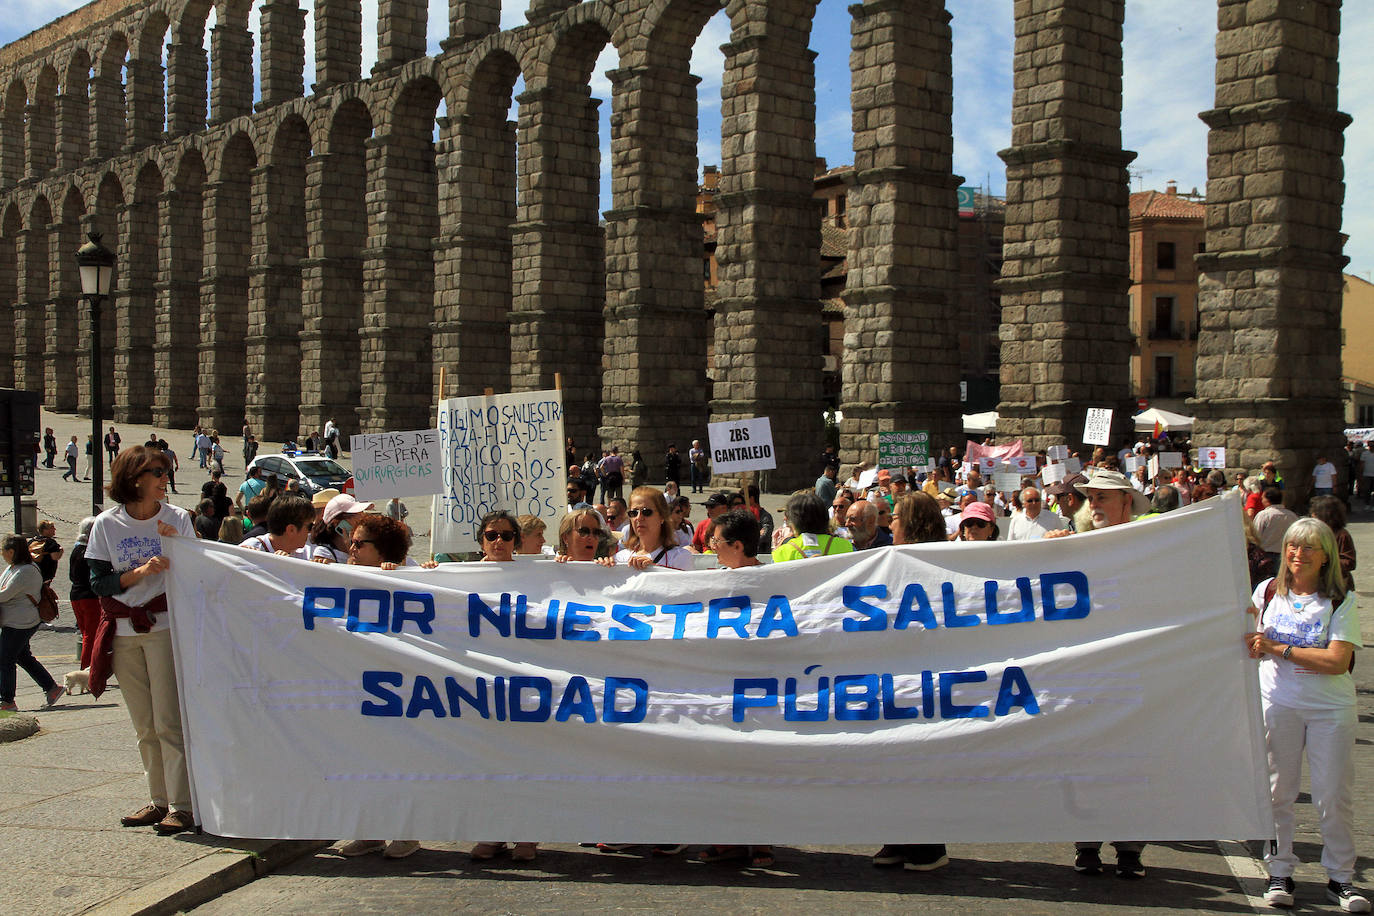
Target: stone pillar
column 177, row 325
column 231, row 86
column 224, row 306
column 133, row 299
column 187, row 67
column 471, row 19
column 768, row 355
column 1065, row 310
column 9, row 296
column 107, row 116
column 398, row 290
column 31, row 309
column 655, row 322
column 1270, row 285
column 146, row 94
column 60, row 376
column 283, row 53
column 400, row 32
column 332, row 283
column 559, row 280
column 41, row 125
column 543, row 9
column 901, row 340
column 11, row 148
column 73, row 130
column 472, row 257
column 274, row 312
column 338, row 42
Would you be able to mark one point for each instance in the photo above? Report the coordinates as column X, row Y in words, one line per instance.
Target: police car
column 313, row 471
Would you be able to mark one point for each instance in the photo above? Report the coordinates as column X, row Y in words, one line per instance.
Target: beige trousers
column 148, row 681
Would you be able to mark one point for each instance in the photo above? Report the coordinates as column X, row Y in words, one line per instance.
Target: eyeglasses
column 490, row 536
column 977, row 523
column 1303, row 548
column 636, row 513
column 156, row 472
column 1033, row 499
column 586, row 532
column 358, row 545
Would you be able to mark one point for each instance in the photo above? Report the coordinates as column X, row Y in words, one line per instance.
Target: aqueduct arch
column 323, row 253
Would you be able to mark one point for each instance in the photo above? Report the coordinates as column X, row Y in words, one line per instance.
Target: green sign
column 968, row 200
column 901, row 449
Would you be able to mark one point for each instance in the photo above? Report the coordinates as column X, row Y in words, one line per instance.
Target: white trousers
column 1328, row 735
column 148, row 682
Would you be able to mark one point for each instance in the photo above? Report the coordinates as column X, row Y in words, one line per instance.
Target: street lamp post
column 97, row 271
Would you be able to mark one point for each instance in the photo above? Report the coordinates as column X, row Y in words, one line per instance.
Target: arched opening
column 188, row 69
column 42, row 124
column 178, row 295
column 12, row 134
column 73, row 113
column 229, row 238
column 135, row 291
column 147, row 83
column 63, row 378
column 9, row 287
column 109, row 126
column 32, row 312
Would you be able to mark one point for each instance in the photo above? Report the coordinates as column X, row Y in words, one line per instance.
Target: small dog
column 78, row 681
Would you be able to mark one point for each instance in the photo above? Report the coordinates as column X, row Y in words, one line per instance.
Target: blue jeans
column 14, row 653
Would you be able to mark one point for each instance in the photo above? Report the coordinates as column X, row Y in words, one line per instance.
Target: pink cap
column 343, row 504
column 978, row 510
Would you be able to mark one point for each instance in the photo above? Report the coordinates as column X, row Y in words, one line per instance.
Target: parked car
column 314, row 471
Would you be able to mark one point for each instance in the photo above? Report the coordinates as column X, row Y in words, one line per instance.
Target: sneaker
column 175, row 822
column 926, row 857
column 57, row 693
column 889, row 855
column 1344, row 895
column 1279, row 892
column 361, row 847
column 1088, row 862
column 1128, row 865
column 399, row 849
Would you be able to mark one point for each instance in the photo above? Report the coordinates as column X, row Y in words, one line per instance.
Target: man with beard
column 1111, row 501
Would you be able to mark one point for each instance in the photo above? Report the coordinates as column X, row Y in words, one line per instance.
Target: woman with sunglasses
column 680, row 517
column 977, row 523
column 582, row 537
column 499, row 537
column 134, row 639
column 652, row 541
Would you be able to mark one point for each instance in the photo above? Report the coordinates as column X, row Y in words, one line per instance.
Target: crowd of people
column 1305, row 633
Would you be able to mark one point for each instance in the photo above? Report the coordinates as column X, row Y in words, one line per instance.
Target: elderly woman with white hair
column 1307, row 631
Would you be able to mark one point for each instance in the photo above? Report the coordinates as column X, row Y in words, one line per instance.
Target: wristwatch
column 1287, row 652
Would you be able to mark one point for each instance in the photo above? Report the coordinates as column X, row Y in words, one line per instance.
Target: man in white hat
column 1111, row 501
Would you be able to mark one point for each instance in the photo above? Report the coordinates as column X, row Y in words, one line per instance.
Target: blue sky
column 1168, row 80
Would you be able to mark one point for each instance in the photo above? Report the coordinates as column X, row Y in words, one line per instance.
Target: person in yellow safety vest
column 807, row 516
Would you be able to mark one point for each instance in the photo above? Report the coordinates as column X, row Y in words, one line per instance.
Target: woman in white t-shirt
column 1307, row 633
column 652, row 540
column 134, row 640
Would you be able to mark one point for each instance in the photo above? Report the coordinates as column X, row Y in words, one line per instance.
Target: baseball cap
column 343, row 504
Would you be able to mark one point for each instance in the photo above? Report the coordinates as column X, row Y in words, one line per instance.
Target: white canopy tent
column 1172, row 422
column 981, row 424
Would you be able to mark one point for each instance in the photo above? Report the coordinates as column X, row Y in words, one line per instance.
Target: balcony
column 1172, row 332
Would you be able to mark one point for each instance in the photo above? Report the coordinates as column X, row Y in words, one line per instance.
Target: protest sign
column 501, row 451
column 903, row 449
column 973, row 687
column 1053, row 473
column 1152, row 467
column 1170, row 459
column 1006, row 481
column 1057, row 452
column 1133, row 463
column 741, row 445
column 1212, row 457
column 1073, row 465
column 1097, row 429
column 1023, row 464
column 396, row 464
column 987, row 465
column 868, row 478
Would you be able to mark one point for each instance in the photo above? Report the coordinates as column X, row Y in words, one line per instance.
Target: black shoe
column 926, row 857
column 1279, row 892
column 1129, row 866
column 890, row 855
column 1088, row 862
column 1346, row 897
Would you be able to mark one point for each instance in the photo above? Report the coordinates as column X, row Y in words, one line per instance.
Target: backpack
column 46, row 604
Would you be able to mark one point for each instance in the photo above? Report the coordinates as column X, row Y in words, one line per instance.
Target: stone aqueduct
column 320, row 247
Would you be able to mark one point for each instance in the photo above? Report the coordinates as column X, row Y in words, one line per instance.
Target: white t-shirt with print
column 1306, row 621
column 1324, row 475
column 263, row 542
column 673, row 558
column 126, row 543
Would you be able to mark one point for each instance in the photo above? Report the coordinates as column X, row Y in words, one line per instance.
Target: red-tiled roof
column 1157, row 205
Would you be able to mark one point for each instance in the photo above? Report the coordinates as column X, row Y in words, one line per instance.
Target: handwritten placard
column 1057, row 452
column 903, row 449
column 1133, row 463
column 742, row 445
column 1097, row 429
column 500, row 451
column 396, row 464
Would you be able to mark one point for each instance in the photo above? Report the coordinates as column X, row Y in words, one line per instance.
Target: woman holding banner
column 134, row 639
column 1307, row 632
column 652, row 540
column 499, row 537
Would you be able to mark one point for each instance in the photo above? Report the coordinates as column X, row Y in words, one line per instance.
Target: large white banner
column 1029, row 691
column 501, row 451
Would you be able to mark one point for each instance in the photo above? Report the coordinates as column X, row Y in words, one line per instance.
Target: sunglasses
column 358, row 545
column 156, row 472
column 977, row 523
column 490, row 536
column 586, row 532
column 636, row 513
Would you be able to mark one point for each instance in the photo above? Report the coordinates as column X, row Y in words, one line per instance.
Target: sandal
column 484, row 852
column 715, row 855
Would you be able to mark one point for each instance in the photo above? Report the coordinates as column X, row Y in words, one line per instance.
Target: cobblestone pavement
column 62, row 853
